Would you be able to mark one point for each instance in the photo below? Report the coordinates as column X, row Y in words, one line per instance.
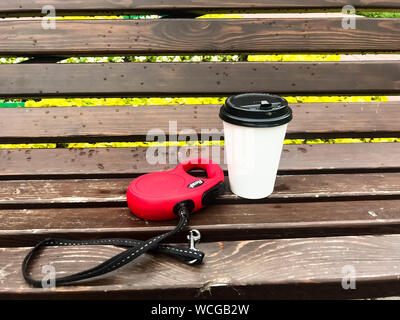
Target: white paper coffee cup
column 254, row 128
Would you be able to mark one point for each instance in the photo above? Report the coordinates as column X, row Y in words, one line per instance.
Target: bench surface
column 336, row 207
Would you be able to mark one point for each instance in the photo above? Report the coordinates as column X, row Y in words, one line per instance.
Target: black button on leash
column 135, row 249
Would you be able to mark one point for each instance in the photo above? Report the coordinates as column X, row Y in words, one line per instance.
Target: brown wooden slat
column 172, row 79
column 130, row 162
column 90, row 192
column 286, row 268
column 25, row 227
column 111, row 123
column 34, row 6
column 98, row 37
column 126, row 123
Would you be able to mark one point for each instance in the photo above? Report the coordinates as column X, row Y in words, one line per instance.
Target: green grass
column 380, row 14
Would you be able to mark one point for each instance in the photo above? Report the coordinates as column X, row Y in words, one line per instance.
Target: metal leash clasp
column 194, row 236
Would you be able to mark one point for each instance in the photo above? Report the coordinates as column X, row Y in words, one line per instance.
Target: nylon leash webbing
column 135, row 249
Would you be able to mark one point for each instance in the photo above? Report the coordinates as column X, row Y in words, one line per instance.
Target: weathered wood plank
column 209, row 78
column 25, row 227
column 98, row 37
column 130, row 162
column 102, row 192
column 129, row 123
column 34, row 6
column 285, row 268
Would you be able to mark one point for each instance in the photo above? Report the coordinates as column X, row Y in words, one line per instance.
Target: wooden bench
column 335, row 209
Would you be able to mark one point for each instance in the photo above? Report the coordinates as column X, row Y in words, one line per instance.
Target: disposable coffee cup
column 254, row 128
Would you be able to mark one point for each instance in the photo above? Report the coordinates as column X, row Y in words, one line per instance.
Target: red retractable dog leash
column 162, row 195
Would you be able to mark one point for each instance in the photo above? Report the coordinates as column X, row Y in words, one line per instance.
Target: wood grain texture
column 112, row 192
column 291, row 268
column 26, row 227
column 98, row 37
column 34, row 6
column 130, row 123
column 199, row 79
column 130, row 162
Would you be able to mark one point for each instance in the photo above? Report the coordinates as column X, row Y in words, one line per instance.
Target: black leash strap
column 135, row 249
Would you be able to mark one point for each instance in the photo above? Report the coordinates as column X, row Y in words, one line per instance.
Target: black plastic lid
column 256, row 110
